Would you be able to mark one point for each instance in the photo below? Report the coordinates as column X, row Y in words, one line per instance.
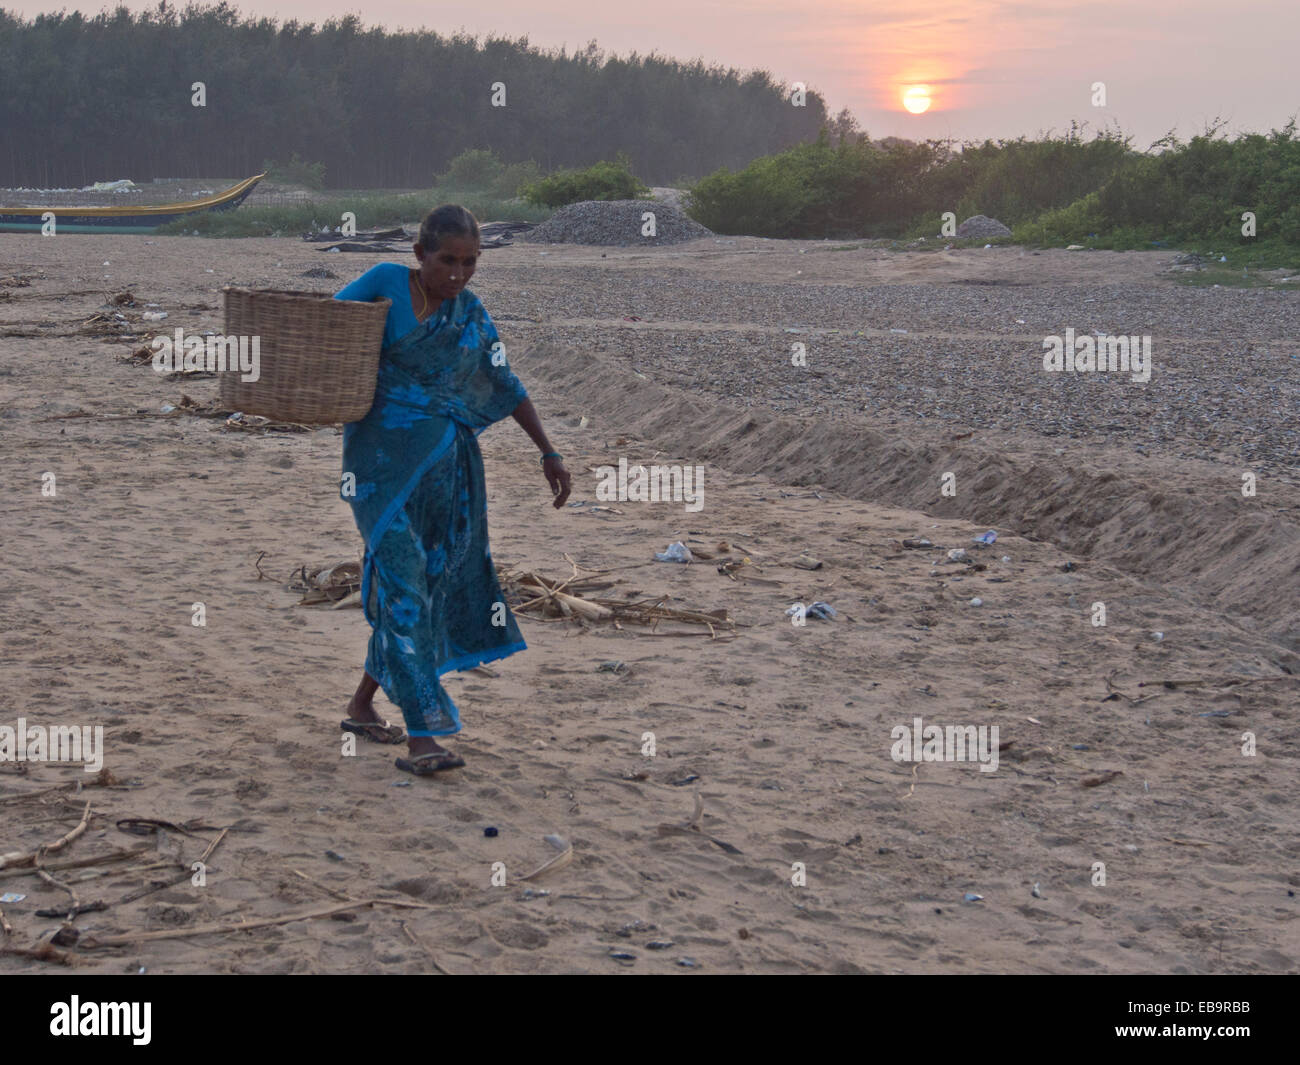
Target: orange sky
column 996, row 68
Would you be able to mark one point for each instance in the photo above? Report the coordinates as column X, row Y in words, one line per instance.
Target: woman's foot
column 427, row 757
column 376, row 731
column 363, row 720
column 363, row 712
column 425, row 765
column 419, row 745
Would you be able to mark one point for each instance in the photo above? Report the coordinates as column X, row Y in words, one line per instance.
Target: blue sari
column 429, row 588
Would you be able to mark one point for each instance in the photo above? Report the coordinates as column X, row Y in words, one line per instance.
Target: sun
column 916, row 98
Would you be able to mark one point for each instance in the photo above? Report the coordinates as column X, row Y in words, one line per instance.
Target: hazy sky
column 995, row 69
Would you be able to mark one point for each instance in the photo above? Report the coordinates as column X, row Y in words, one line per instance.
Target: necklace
column 424, row 296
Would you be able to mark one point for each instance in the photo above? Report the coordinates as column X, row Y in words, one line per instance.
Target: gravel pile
column 982, row 227
column 616, row 223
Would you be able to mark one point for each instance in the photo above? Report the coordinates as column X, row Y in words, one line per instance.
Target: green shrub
column 514, row 177
column 475, row 168
column 602, row 181
column 816, row 190
column 479, row 172
column 1057, row 189
column 1064, row 225
column 296, row 172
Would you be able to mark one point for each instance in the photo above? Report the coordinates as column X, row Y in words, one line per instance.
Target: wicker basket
column 319, row 357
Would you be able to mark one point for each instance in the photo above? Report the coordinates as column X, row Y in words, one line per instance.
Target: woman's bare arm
column 526, row 415
column 556, row 475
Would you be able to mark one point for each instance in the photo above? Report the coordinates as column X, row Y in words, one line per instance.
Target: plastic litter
column 958, row 554
column 9, row 896
column 490, row 832
column 987, row 538
column 823, row 611
column 970, row 896
column 154, row 316
column 1037, row 892
column 977, row 601
column 913, row 545
column 677, row 552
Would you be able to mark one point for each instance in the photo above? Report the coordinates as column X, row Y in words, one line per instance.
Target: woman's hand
column 558, row 478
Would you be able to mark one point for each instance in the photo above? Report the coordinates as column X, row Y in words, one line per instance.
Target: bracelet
column 550, row 455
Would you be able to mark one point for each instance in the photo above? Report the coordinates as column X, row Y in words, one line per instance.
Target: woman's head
column 448, row 250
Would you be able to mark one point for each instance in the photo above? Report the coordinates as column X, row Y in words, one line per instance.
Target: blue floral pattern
column 429, row 586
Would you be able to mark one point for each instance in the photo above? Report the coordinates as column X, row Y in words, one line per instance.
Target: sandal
column 374, row 731
column 425, row 765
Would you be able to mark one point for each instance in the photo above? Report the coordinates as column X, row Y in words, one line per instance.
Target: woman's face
column 446, row 271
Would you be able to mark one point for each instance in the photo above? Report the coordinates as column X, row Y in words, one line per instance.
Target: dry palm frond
column 253, row 423
column 338, row 583
column 546, row 598
column 141, row 356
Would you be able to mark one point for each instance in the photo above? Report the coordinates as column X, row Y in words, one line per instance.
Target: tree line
column 113, row 95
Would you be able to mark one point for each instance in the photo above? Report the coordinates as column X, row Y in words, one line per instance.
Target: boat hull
column 121, row 219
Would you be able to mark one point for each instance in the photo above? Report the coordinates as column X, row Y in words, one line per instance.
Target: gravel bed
column 1225, row 382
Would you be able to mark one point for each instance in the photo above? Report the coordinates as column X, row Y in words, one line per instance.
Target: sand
column 786, row 730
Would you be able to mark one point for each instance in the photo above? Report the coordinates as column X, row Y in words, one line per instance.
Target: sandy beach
column 1122, row 743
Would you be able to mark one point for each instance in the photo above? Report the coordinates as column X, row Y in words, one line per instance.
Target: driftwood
column 57, row 845
column 92, row 942
column 102, row 779
column 544, row 597
column 18, row 859
column 76, row 863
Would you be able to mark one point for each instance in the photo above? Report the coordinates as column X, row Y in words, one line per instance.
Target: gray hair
column 449, row 220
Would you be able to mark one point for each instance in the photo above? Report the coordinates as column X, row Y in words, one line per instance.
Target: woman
column 428, row 587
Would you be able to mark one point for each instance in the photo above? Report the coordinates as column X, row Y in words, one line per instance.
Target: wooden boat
column 140, row 218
